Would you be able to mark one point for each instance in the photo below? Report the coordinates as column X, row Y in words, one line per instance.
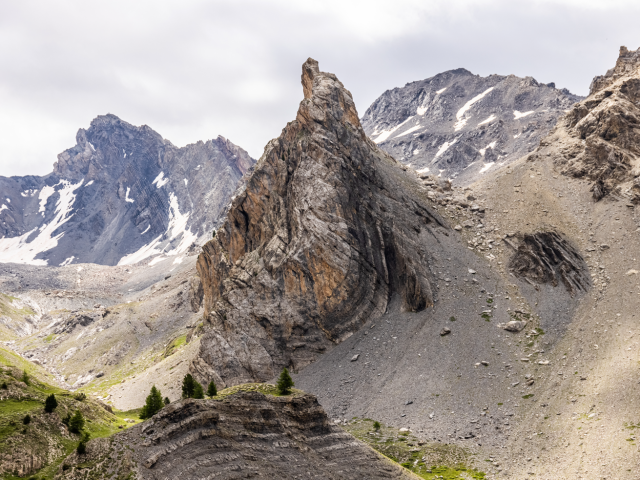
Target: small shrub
column 285, row 382
column 81, row 448
column 81, row 397
column 66, row 419
column 76, row 422
column 50, row 403
column 167, row 401
column 27, row 419
column 376, row 425
column 212, row 391
column 4, row 386
column 25, row 378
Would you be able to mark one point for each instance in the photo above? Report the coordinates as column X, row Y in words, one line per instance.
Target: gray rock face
column 121, row 195
column 328, row 229
column 245, row 435
column 462, row 125
column 599, row 139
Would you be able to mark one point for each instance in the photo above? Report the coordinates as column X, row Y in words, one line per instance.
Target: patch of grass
column 486, row 316
column 527, row 396
column 175, row 345
column 427, row 460
column 264, row 388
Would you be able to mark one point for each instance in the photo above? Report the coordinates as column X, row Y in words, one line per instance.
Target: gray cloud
column 195, row 69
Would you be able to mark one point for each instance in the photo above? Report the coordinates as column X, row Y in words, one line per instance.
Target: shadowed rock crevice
column 317, row 243
column 546, row 257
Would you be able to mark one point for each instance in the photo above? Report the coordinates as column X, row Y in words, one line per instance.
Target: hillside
column 122, row 195
column 244, row 435
column 460, row 126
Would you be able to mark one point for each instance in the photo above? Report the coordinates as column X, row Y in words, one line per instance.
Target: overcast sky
column 195, row 69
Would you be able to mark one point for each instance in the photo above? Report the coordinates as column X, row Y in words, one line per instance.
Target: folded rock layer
column 318, row 242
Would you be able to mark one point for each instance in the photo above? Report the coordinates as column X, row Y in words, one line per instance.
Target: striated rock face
column 599, row 139
column 462, row 125
column 245, row 435
column 547, row 257
column 123, row 194
column 316, row 245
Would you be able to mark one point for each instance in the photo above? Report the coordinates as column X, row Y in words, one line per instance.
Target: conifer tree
column 50, row 403
column 198, row 391
column 188, row 386
column 167, row 401
column 285, row 382
column 212, row 391
column 76, row 422
column 153, row 404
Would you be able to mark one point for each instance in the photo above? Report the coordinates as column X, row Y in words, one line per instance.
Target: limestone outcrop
column 599, row 139
column 246, row 435
column 321, row 238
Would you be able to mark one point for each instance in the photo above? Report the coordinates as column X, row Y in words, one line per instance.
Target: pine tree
column 285, row 382
column 376, row 425
column 82, row 446
column 27, row 419
column 212, row 391
column 50, row 403
column 198, row 391
column 153, row 405
column 188, row 385
column 76, row 422
column 167, row 401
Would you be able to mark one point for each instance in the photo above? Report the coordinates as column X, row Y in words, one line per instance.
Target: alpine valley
column 452, row 281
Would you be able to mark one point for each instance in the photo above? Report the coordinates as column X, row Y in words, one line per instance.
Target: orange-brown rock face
column 599, row 138
column 317, row 244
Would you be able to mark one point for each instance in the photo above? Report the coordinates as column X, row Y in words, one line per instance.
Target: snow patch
column 177, row 260
column 423, row 170
column 382, row 136
column 177, row 227
column 160, row 180
column 416, row 151
column 28, row 193
column 441, row 90
column 486, row 166
column 422, row 110
column 45, row 193
column 461, row 115
column 92, row 147
column 186, row 182
column 4, row 207
column 490, row 119
column 8, row 200
column 18, row 250
column 407, row 132
column 126, row 197
column 518, row 114
column 443, row 148
column 90, row 183
column 146, row 230
column 67, row 261
column 492, row 145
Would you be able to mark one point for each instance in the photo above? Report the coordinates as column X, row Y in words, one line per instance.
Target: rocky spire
column 318, row 243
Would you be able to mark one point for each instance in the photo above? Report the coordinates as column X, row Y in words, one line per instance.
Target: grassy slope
column 428, row 461
column 41, row 445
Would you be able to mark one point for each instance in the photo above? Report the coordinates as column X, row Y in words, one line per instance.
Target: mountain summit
column 121, row 195
column 460, row 125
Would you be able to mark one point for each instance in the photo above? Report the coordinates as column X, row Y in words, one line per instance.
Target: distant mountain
column 460, row 125
column 123, row 194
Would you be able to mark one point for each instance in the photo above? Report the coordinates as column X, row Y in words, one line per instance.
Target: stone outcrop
column 463, row 126
column 122, row 194
column 321, row 238
column 547, row 257
column 245, row 435
column 599, row 139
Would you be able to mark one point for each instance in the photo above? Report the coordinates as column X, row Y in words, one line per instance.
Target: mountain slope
column 461, row 125
column 123, row 194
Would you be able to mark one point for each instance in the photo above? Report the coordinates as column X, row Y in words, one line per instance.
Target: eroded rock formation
column 546, row 257
column 320, row 239
column 599, row 139
column 245, row 435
